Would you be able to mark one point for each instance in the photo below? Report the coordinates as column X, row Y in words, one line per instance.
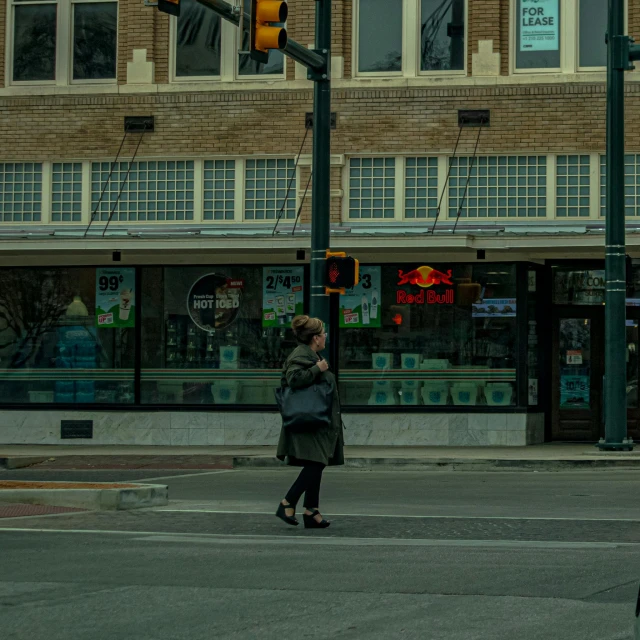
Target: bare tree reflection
column 31, row 305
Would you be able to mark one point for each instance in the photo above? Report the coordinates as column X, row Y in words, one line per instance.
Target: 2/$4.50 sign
column 214, row 301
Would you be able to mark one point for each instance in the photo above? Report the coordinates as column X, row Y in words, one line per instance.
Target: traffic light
column 342, row 272
column 172, row 7
column 264, row 36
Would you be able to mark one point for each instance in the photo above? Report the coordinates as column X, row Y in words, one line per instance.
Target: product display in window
column 204, row 334
column 447, row 337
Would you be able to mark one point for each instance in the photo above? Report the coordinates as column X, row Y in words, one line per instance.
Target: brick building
column 110, row 239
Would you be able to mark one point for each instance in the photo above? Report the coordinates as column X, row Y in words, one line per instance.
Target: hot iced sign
column 425, row 278
column 214, row 301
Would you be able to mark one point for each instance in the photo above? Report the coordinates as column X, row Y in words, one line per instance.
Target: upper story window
column 442, row 35
column 198, row 41
column 63, row 41
column 593, row 25
column 206, row 47
column 568, row 36
column 414, row 36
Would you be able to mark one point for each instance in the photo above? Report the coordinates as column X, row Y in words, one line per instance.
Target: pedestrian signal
column 264, row 35
column 172, row 7
column 342, row 272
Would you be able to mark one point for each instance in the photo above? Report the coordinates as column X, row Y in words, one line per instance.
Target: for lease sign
column 539, row 25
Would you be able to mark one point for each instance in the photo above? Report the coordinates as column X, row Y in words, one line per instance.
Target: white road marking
column 212, row 538
column 186, row 475
column 395, row 515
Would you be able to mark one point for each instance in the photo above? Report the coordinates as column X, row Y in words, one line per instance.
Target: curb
column 108, row 499
column 19, row 462
column 452, row 464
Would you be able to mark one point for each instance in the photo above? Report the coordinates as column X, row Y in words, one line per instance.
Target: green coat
column 324, row 445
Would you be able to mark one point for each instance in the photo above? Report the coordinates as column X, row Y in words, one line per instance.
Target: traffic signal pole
column 619, row 54
column 318, row 69
column 321, row 168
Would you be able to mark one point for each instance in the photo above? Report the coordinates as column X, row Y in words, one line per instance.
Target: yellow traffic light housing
column 342, row 272
column 172, row 7
column 264, row 36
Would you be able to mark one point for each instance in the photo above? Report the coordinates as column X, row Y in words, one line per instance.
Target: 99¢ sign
column 282, row 295
column 115, row 301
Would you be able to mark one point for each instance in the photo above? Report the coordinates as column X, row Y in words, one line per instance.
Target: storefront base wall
column 211, row 428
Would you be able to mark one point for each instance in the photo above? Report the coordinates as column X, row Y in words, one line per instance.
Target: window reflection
column 446, row 336
column 34, row 42
column 380, row 35
column 210, row 355
column 52, row 346
column 442, row 35
column 198, row 41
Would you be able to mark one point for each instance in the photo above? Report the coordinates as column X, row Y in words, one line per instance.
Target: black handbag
column 305, row 410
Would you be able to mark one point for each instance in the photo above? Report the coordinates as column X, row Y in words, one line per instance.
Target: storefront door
column 578, row 368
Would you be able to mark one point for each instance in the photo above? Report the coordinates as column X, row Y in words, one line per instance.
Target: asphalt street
column 436, row 555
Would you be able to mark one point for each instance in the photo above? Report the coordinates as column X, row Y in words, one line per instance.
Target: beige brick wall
column 396, row 121
column 3, row 47
column 483, row 24
column 550, row 118
column 504, row 36
column 142, row 27
column 634, row 18
column 137, row 30
column 336, row 203
column 347, row 29
column 161, row 26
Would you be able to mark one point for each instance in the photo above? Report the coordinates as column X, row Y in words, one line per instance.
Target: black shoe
column 310, row 521
column 280, row 513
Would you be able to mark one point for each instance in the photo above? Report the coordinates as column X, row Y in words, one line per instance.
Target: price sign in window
column 282, row 295
column 115, row 302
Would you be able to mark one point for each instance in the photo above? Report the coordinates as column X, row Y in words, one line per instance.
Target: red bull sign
column 425, row 277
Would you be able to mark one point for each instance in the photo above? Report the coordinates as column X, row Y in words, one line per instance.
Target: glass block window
column 499, row 187
column 372, row 183
column 572, row 186
column 66, row 192
column 631, row 185
column 421, row 188
column 154, row 191
column 219, row 189
column 265, row 189
column 20, row 192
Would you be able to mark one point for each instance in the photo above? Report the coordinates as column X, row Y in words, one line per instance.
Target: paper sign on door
column 574, row 357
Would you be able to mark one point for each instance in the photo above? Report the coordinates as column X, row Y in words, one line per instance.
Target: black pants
column 308, row 482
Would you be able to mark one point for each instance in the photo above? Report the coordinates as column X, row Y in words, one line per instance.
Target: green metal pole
column 615, row 400
column 321, row 166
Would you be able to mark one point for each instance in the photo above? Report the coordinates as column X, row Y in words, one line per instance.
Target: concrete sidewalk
column 550, row 456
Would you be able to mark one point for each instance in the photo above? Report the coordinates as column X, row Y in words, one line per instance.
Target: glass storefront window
column 67, row 335
column 572, row 285
column 203, row 339
column 425, row 335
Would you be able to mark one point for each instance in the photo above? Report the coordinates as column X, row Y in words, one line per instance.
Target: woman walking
column 311, row 450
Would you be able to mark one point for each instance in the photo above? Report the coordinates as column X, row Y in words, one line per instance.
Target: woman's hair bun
column 304, row 328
